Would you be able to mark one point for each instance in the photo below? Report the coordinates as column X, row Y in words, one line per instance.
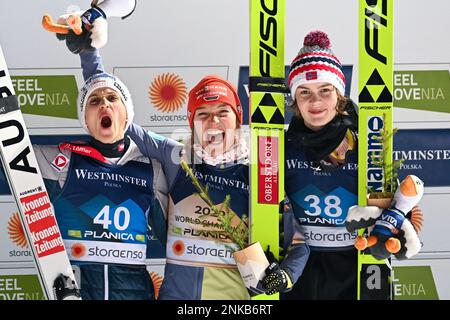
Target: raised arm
column 94, row 32
column 91, row 63
column 165, row 150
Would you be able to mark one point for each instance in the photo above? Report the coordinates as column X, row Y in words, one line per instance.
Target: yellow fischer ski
column 266, row 86
column 375, row 114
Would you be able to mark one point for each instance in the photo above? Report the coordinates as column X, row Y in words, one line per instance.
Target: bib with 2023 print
column 320, row 199
column 195, row 236
column 102, row 211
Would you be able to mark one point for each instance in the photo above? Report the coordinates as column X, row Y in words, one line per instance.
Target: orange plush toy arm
column 390, row 231
column 88, row 30
column 81, row 30
column 73, row 23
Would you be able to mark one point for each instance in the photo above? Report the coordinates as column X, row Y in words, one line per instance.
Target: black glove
column 79, row 43
column 270, row 256
column 276, row 279
column 90, row 32
column 65, row 288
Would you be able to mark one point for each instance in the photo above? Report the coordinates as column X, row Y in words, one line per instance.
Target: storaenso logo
column 115, row 253
column 213, row 252
column 330, row 237
column 374, row 173
column 373, row 22
column 268, row 32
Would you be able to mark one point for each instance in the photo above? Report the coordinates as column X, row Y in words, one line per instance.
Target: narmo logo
column 374, row 148
column 167, row 92
column 16, row 232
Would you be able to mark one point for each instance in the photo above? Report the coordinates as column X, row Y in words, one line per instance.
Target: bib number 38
column 331, row 205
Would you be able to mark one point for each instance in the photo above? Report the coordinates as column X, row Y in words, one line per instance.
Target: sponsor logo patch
column 60, row 162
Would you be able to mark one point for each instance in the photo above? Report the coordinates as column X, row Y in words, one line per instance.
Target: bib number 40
column 120, row 218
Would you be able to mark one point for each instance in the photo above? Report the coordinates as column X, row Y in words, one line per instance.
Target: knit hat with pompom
column 316, row 62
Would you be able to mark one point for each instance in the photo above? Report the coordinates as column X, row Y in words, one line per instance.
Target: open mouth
column 106, row 122
column 215, row 136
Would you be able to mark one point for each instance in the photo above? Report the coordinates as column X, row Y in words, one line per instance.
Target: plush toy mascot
column 390, row 232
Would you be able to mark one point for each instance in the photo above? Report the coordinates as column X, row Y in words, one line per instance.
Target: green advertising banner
column 51, row 96
column 414, row 283
column 20, row 287
column 427, row 90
